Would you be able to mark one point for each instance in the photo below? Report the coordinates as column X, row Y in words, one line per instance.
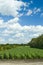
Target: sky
column 20, row 20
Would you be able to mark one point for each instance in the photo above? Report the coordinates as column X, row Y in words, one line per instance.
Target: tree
column 37, row 42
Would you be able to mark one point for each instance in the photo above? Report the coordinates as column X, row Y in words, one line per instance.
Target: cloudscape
column 20, row 20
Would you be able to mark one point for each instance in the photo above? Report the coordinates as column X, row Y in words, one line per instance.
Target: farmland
column 20, row 52
column 31, row 50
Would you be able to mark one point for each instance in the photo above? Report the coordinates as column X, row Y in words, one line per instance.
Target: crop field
column 21, row 52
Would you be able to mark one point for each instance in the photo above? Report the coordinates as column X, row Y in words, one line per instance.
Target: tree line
column 37, row 42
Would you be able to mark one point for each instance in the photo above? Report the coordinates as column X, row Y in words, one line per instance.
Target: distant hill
column 37, row 42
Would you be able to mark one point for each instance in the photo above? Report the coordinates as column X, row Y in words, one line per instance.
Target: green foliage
column 10, row 56
column 21, row 52
column 15, row 56
column 37, row 42
column 1, row 56
column 5, row 56
column 23, row 56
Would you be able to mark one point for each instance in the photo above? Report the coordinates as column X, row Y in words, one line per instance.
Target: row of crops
column 21, row 52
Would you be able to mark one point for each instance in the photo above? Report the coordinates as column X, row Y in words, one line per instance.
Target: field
column 21, row 52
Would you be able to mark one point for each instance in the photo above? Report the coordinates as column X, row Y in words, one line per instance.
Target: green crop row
column 22, row 52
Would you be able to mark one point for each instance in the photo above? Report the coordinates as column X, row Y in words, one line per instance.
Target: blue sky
column 29, row 20
column 20, row 20
column 36, row 19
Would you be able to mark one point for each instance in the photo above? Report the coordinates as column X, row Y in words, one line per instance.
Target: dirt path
column 21, row 62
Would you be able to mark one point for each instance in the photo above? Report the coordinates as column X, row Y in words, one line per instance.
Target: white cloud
column 33, row 11
column 29, row 12
column 2, row 40
column 36, row 10
column 15, row 33
column 2, row 24
column 19, row 35
column 12, row 31
column 10, row 40
column 11, row 7
column 14, row 20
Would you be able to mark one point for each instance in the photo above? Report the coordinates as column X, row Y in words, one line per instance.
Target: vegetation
column 23, row 51
column 37, row 42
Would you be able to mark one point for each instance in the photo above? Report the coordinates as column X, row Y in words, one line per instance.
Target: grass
column 21, row 52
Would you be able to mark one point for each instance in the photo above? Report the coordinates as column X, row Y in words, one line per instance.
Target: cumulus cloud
column 19, row 35
column 11, row 7
column 14, row 32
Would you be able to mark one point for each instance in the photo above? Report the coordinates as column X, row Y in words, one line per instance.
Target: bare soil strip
column 21, row 62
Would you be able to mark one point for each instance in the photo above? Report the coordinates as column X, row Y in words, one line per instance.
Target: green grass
column 21, row 52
